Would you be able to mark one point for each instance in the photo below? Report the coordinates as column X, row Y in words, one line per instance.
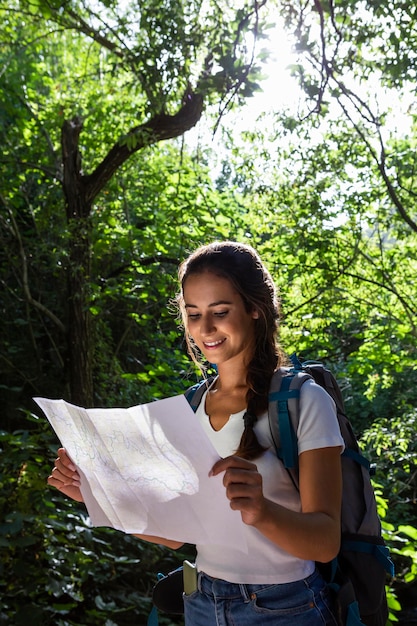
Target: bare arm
column 169, row 543
column 312, row 534
column 66, row 479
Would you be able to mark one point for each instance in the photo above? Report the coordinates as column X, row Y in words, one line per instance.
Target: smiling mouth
column 213, row 344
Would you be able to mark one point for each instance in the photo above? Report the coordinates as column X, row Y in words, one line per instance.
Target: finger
column 248, row 501
column 63, row 470
column 58, row 479
column 72, row 491
column 249, row 478
column 64, row 457
column 240, row 504
column 232, row 462
column 241, row 479
column 64, row 464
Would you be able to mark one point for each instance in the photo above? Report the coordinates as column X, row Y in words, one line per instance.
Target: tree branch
column 327, row 73
column 158, row 128
column 25, row 279
column 225, row 102
column 379, row 160
column 79, row 24
column 151, row 260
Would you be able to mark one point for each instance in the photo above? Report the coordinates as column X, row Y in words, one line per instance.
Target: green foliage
column 55, row 569
column 328, row 229
column 102, row 70
column 390, row 444
column 107, row 68
column 139, row 350
column 344, row 260
column 328, row 199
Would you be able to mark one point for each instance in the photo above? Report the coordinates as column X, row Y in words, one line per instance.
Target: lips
column 213, row 344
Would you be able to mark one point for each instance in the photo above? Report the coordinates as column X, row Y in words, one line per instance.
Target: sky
column 279, row 89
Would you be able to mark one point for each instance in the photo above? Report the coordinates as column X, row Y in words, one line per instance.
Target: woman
column 230, row 314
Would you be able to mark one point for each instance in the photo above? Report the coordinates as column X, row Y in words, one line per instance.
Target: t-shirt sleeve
column 318, row 426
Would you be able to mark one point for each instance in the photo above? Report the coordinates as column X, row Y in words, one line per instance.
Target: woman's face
column 217, row 320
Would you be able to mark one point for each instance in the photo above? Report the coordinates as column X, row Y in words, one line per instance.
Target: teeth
column 211, row 344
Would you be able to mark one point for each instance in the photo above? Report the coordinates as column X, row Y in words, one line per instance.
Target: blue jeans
column 219, row 603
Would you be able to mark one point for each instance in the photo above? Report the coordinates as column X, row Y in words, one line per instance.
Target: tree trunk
column 80, row 192
column 80, row 343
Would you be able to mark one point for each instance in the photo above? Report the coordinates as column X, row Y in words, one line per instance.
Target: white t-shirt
column 265, row 562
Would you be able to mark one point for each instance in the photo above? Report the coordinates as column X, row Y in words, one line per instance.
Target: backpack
column 358, row 574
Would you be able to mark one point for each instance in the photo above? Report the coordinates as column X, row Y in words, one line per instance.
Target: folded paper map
column 145, row 470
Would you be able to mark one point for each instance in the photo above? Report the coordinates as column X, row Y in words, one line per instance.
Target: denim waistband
column 216, row 587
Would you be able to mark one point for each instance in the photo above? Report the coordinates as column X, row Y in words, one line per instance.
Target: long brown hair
column 241, row 265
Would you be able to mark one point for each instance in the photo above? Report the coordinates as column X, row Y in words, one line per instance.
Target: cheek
column 190, row 332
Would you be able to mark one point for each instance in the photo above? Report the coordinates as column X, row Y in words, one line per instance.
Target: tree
column 337, row 180
column 163, row 62
column 358, row 57
column 326, row 193
column 334, row 188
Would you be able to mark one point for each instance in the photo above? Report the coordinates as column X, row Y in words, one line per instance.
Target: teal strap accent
column 283, row 395
column 288, row 452
column 353, row 617
column 190, row 393
column 380, row 552
column 296, row 362
column 153, row 617
column 333, row 569
column 356, row 456
column 334, row 586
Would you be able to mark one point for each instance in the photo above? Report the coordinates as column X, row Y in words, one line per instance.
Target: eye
column 193, row 316
column 221, row 313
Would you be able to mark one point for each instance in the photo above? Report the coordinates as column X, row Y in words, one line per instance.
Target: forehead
column 208, row 288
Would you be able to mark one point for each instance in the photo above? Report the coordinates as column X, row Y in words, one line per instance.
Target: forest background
column 103, row 191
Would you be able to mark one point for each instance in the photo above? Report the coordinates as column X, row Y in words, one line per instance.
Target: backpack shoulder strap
column 195, row 393
column 284, row 414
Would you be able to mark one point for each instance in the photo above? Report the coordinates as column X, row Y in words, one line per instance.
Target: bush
column 391, row 444
column 55, row 569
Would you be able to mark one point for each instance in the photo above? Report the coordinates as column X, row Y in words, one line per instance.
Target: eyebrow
column 195, row 306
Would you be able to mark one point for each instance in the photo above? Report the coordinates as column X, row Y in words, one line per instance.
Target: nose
column 207, row 326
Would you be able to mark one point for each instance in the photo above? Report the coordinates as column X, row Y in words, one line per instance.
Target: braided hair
column 241, row 265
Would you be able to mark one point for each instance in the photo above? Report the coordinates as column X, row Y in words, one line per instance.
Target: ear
column 255, row 314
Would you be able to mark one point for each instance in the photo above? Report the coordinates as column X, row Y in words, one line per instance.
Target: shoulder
column 318, row 426
column 312, row 393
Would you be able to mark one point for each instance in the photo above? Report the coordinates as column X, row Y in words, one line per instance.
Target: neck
column 231, row 377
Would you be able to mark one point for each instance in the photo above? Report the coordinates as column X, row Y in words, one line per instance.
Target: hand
column 65, row 477
column 243, row 485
